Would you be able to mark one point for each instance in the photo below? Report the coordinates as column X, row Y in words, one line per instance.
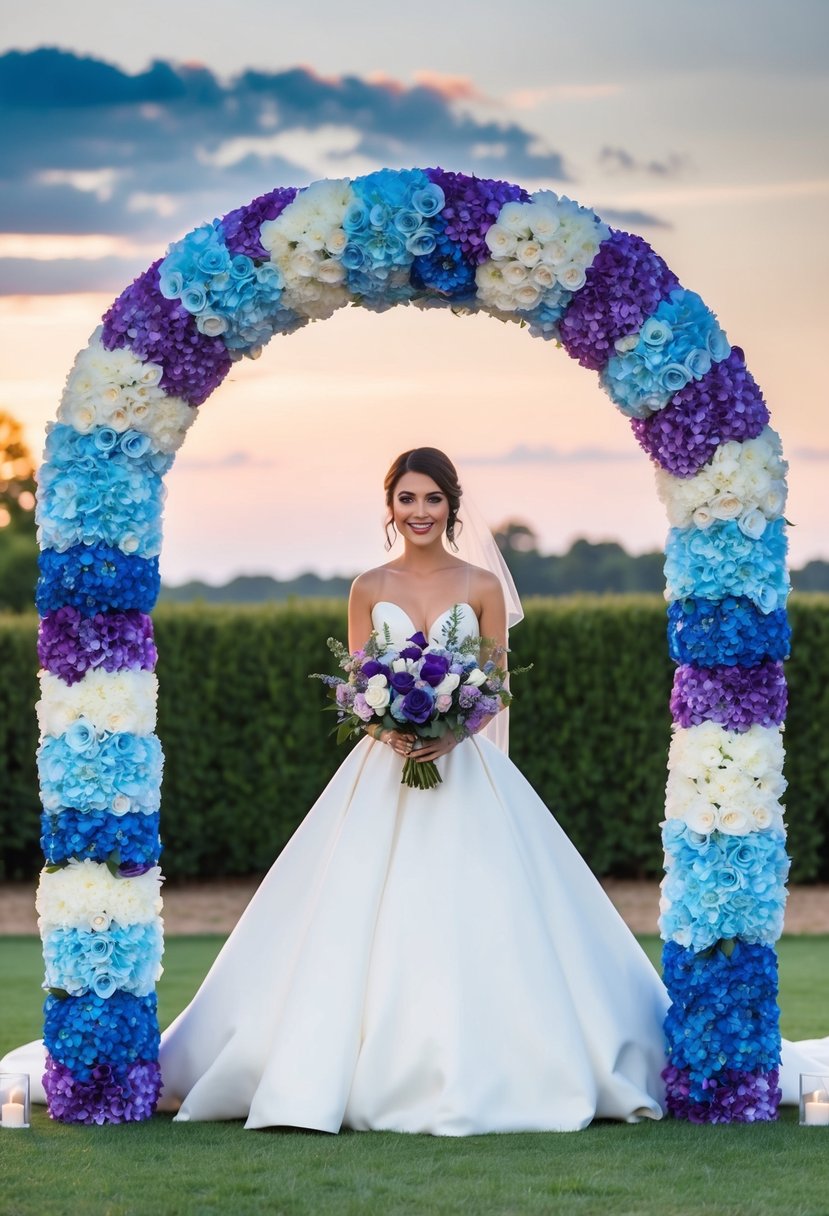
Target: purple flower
column 107, row 1097
column 417, row 705
column 729, row 1097
column 624, row 285
column 725, row 404
column 471, row 208
column 468, row 695
column 241, row 227
column 70, row 644
column 434, row 668
column 164, row 332
column 411, row 652
column 736, row 697
column 371, row 667
column 402, row 682
column 417, row 639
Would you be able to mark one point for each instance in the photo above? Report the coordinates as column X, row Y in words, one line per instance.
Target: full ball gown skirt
column 438, row 961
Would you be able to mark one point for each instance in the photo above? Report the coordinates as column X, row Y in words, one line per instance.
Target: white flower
column 448, row 684
column 475, row 677
column 111, row 701
column 702, row 518
column 514, row 217
column 735, row 822
column 527, row 296
column 514, row 273
column 71, row 897
column 377, row 695
column 543, row 276
column 701, row 817
column 572, row 276
column 752, row 523
column 725, row 506
column 528, row 253
column 500, row 241
column 555, row 253
column 544, row 223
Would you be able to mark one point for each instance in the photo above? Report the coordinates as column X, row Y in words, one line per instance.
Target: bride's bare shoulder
column 483, row 582
column 366, row 586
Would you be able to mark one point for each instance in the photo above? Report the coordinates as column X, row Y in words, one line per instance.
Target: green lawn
column 667, row 1168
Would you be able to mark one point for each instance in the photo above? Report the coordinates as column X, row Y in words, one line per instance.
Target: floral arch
column 433, row 239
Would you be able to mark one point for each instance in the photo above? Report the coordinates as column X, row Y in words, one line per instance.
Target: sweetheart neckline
column 427, row 633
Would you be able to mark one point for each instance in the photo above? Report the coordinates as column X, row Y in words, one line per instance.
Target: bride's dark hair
column 432, row 463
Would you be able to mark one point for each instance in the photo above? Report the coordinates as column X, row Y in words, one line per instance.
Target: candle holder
column 814, row 1100
column 14, row 1100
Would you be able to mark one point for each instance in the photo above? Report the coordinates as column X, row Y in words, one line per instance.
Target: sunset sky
column 700, row 126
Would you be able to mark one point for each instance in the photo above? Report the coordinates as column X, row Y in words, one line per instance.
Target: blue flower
column 444, row 270
column 676, row 345
column 122, row 958
column 119, row 772
column 721, row 561
column 81, row 1032
column 389, row 224
column 96, row 578
column 731, row 632
column 131, row 838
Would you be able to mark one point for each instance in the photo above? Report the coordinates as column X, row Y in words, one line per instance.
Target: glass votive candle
column 14, row 1100
column 814, row 1100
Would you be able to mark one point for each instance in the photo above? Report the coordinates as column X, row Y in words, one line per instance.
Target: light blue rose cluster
column 116, row 772
column 721, row 561
column 388, row 226
column 228, row 294
column 718, row 886
column 103, row 487
column 121, row 958
column 678, row 343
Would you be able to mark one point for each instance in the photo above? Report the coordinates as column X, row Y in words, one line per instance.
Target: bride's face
column 420, row 509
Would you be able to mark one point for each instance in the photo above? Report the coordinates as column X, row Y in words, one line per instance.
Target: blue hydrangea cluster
column 724, row 1010
column 230, row 295
column 122, row 958
column 679, row 342
column 102, row 486
column 96, row 578
column 544, row 318
column 131, row 838
column 445, row 270
column 81, row 1032
column 388, row 225
column 119, row 772
column 718, row 886
column 721, row 561
column 726, row 633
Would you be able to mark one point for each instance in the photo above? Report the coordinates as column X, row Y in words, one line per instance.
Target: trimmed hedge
column 248, row 750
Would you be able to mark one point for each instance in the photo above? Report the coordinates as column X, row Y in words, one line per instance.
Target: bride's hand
column 400, row 743
column 431, row 749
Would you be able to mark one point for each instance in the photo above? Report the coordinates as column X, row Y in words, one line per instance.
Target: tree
column 18, row 541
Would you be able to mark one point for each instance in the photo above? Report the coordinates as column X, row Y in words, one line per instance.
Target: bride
column 438, row 961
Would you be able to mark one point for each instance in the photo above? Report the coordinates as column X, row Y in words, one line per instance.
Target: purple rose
column 412, row 652
column 434, row 668
column 419, row 640
column 417, row 705
column 372, row 668
column 402, row 682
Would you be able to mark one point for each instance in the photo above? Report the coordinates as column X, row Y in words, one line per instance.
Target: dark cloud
column 88, row 148
column 30, row 276
column 618, row 160
column 632, row 219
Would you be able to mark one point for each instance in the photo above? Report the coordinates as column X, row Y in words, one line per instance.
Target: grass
column 165, row 1169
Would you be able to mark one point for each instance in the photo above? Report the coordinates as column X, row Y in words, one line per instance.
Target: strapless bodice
column 401, row 626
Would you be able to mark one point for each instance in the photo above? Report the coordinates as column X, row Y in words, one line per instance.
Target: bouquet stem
column 420, row 774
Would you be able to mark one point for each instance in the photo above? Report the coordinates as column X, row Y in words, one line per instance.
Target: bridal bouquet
column 420, row 688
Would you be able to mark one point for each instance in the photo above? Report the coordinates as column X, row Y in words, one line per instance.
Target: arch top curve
column 428, row 238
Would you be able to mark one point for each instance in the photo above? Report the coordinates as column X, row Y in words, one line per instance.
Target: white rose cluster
column 110, row 701
column 539, row 252
column 726, row 781
column 744, row 481
column 85, row 894
column 117, row 389
column 305, row 243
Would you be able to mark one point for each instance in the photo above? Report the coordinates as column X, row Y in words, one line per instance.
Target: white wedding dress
column 438, row 961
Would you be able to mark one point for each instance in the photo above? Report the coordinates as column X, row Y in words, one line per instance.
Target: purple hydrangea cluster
column 70, row 644
column 105, row 1097
column 735, row 697
column 96, row 578
column 164, row 332
column 726, row 403
column 729, row 1097
column 472, row 207
column 625, row 283
column 725, row 633
column 241, row 227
